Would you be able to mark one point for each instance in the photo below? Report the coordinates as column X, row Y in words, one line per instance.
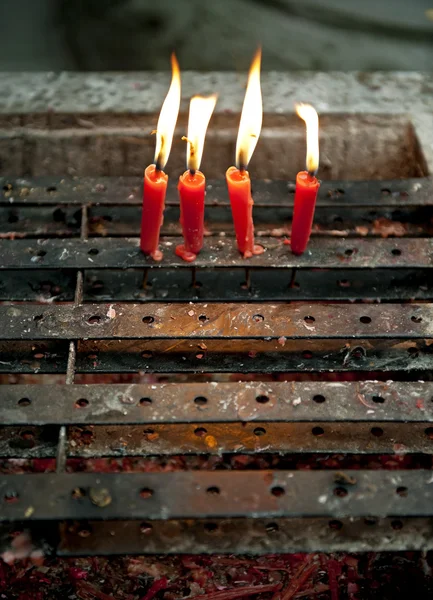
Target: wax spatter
column 185, row 254
column 157, row 255
column 256, row 251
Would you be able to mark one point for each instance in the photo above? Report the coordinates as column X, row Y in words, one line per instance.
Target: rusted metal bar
column 124, row 253
column 249, row 536
column 216, row 321
column 128, row 404
column 212, row 494
column 127, row 190
column 96, row 441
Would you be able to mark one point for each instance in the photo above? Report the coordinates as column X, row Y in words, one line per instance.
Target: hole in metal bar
column 349, row 251
column 309, row 319
column 278, row 491
column 145, row 401
column 378, row 399
column 11, row 497
column 148, row 319
column 93, row 251
column 344, row 283
column 396, row 252
column 146, row 493
column 335, row 524
column 146, row 528
column 397, row 524
column 429, row 432
column 41, row 253
column 38, row 318
column 211, row 527
column 340, row 492
column 358, row 352
column 370, row 521
column 258, row 431
column 84, row 532
column 200, row 401
column 97, row 285
column 213, row 490
column 307, row 354
column 402, row 491
column 78, row 493
column 94, row 320
column 24, row 402
column 258, row 318
column 318, row 431
column 146, row 355
column 365, row 320
column 202, row 318
column 376, row 431
column 82, row 403
column 262, row 399
column 8, row 187
column 416, row 319
column 200, row 431
column 51, row 188
column 385, row 191
column 271, row 527
column 319, row 398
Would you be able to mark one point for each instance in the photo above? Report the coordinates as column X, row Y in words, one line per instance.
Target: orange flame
column 311, row 118
column 168, row 117
column 200, row 112
column 251, row 117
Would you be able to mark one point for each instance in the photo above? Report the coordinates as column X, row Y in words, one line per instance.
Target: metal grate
column 292, row 395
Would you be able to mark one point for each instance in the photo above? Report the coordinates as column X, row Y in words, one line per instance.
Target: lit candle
column 307, row 185
column 192, row 183
column 238, row 179
column 155, row 180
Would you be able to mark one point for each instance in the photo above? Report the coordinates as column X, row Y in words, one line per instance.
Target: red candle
column 192, row 184
column 307, row 185
column 238, row 179
column 155, row 180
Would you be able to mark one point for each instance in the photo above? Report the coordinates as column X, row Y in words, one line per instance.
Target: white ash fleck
column 322, row 499
column 296, row 401
column 64, row 254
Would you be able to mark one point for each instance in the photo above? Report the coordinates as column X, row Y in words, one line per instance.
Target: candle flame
column 311, row 118
column 168, row 117
column 251, row 117
column 200, row 112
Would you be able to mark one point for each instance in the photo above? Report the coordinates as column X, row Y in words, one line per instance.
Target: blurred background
column 216, row 34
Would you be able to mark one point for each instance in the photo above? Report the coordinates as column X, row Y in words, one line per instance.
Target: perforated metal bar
column 124, row 253
column 267, row 402
column 208, row 494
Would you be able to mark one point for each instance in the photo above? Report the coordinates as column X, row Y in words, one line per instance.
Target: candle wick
column 158, row 166
column 312, row 174
column 192, row 172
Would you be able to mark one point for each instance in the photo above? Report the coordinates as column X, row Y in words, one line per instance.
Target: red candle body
column 306, row 190
column 152, row 216
column 241, row 201
column 191, row 192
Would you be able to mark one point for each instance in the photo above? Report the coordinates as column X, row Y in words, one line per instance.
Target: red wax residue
column 152, row 216
column 239, row 186
column 307, row 187
column 191, row 192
